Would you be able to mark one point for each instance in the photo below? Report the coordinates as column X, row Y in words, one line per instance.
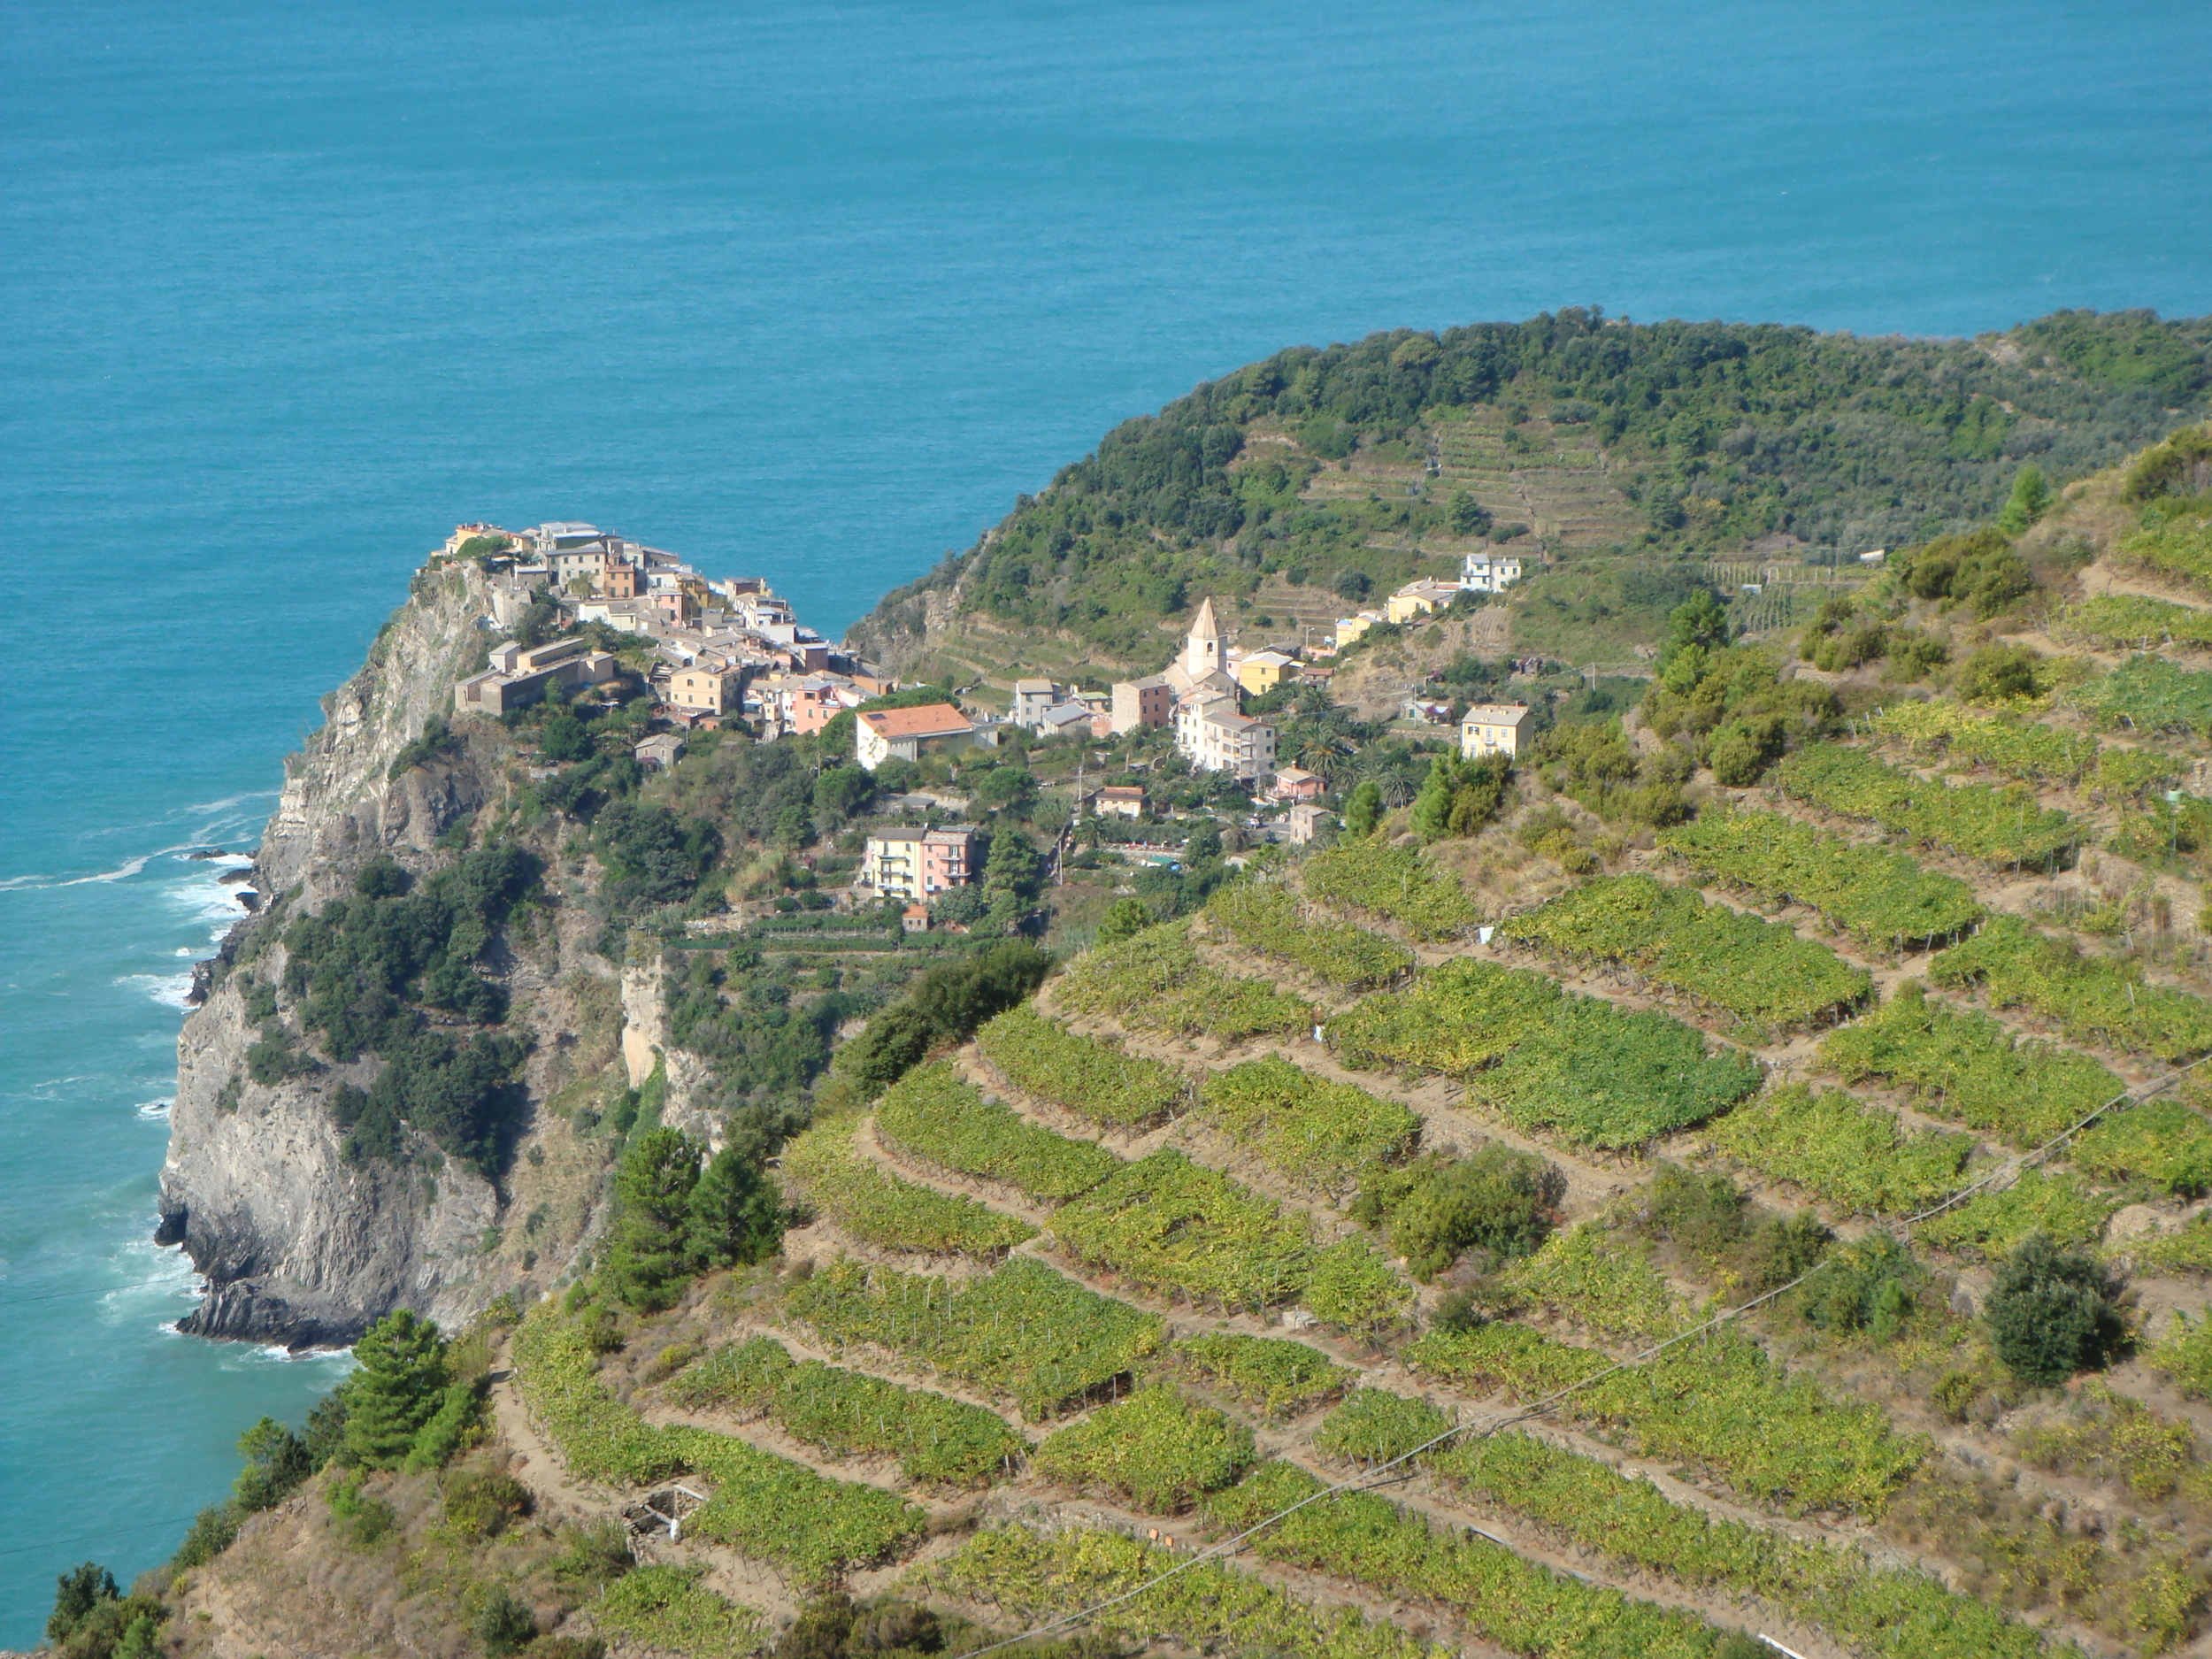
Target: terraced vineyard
column 1422, row 1315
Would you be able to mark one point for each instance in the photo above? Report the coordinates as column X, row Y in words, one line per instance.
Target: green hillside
column 1344, row 472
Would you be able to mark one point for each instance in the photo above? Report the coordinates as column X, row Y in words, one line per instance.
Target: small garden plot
column 2114, row 620
column 2187, row 1250
column 1600, row 1074
column 1176, row 1228
column 1990, row 1224
column 1156, row 1449
column 881, row 1209
column 1375, row 1427
column 1604, row 1077
column 2148, row 694
column 1025, row 1331
column 1371, row 875
column 1520, row 1605
column 1313, row 1131
column 2161, row 1142
column 1093, row 1079
column 1278, row 1380
column 664, row 1606
column 1595, row 1277
column 2184, row 1356
column 1895, row 1613
column 1155, row 982
column 1718, row 1402
column 1877, row 896
column 1848, row 1153
column 773, row 1510
column 2174, row 538
column 1961, row 1063
column 1998, row 825
column 2003, row 743
column 1455, row 1018
column 1353, row 1289
column 2090, row 999
column 763, row 1506
column 1756, row 970
column 931, row 1114
column 848, row 1414
column 1269, row 920
column 1032, row 1578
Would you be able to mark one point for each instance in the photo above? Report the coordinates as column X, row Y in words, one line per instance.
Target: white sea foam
column 168, row 989
column 156, row 1110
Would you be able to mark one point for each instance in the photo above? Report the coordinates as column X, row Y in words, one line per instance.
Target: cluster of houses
column 731, row 649
column 724, row 650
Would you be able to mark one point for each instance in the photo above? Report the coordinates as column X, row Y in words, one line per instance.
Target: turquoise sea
column 811, row 290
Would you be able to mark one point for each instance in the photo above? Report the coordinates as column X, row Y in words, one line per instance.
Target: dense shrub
column 1155, row 1449
column 1498, row 1200
column 2051, row 1312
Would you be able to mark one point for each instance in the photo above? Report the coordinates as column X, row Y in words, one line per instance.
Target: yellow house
column 1492, row 728
column 1350, row 628
column 1262, row 671
column 1419, row 599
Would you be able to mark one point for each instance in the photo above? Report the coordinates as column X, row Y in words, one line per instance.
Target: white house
column 1490, row 573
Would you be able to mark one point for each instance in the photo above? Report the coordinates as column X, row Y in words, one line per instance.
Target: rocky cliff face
column 298, row 1245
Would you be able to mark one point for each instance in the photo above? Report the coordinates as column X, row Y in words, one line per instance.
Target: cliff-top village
column 731, row 652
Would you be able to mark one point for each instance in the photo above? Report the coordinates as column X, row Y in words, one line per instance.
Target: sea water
column 811, row 291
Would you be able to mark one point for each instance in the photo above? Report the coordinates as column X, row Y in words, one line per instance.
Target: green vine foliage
column 1032, row 1577
column 1269, row 920
column 2001, row 826
column 850, row 1414
column 881, row 1209
column 1280, row 1379
column 1080, row 1074
column 1313, row 1133
column 1176, row 1228
column 1024, row 1331
column 1877, row 897
column 934, row 1116
column 1717, row 1402
column 1155, row 1449
column 1155, row 981
column 1960, row 1064
column 1849, row 1153
column 764, row 1506
column 1754, row 971
column 1397, row 883
column 2091, row 998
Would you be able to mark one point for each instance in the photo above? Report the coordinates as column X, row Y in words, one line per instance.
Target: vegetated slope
column 1509, row 1166
column 1320, row 467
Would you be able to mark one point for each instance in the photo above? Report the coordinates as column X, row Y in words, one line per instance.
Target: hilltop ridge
column 1308, row 480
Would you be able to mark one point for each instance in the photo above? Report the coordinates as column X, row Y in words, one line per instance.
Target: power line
column 1896, row 1230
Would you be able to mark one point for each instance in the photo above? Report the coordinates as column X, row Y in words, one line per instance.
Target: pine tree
column 1365, row 811
column 1433, row 807
column 649, row 1255
column 2030, row 499
column 1124, row 918
column 1013, row 866
column 400, row 1381
column 75, row 1595
column 736, row 1212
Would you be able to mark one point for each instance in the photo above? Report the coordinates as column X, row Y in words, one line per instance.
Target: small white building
column 1490, row 573
column 1492, row 728
column 1032, row 699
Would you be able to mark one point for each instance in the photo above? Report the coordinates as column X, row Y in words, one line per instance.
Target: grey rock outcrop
column 299, row 1246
